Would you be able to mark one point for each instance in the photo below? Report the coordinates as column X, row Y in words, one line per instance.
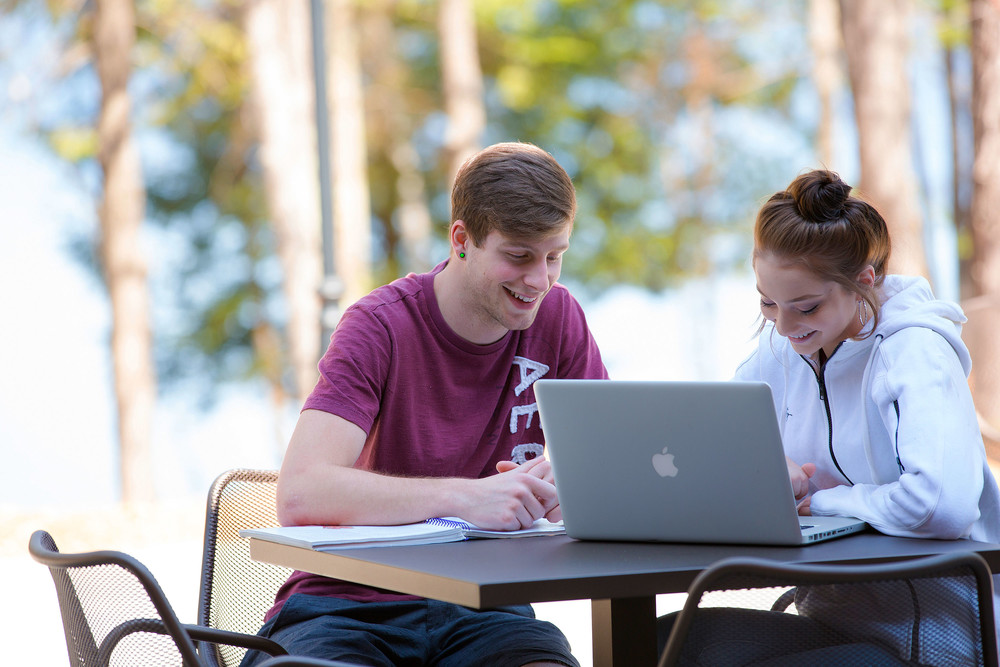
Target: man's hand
column 799, row 476
column 538, row 467
column 511, row 500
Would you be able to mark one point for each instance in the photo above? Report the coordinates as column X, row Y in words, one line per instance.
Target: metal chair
column 114, row 612
column 236, row 591
column 925, row 611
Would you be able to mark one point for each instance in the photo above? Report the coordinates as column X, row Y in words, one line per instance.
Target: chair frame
column 816, row 574
column 184, row 635
column 207, row 598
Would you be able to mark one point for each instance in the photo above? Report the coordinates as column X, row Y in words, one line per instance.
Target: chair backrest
column 236, row 591
column 925, row 611
column 113, row 610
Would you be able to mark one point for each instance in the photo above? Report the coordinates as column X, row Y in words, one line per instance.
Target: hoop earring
column 862, row 304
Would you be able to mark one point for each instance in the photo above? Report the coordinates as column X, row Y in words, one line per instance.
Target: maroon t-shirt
column 432, row 403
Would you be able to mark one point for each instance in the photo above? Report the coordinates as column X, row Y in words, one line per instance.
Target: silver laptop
column 698, row 462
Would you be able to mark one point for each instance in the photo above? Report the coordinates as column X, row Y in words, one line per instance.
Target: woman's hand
column 799, row 477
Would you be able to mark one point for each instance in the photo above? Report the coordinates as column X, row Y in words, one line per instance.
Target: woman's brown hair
column 816, row 222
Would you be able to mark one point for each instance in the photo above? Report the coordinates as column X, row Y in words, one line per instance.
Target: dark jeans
column 421, row 632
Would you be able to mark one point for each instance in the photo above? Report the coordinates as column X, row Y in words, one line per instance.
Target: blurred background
column 191, row 191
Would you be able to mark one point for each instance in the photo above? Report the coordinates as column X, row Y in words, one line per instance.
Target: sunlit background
column 675, row 119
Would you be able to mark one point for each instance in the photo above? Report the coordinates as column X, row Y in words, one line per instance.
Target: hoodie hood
column 909, row 302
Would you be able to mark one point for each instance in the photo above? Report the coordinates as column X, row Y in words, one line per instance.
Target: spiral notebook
column 432, row 531
column 698, row 462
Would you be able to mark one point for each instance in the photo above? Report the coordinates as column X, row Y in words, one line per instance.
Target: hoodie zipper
column 899, row 462
column 820, row 374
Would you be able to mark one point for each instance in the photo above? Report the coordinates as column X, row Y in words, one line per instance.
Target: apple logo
column 663, row 463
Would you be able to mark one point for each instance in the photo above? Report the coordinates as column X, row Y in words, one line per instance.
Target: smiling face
column 812, row 313
column 506, row 280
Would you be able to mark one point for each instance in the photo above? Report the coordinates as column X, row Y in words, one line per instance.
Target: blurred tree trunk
column 351, row 205
column 282, row 100
column 461, row 82
column 984, row 308
column 415, row 225
column 875, row 38
column 121, row 215
column 409, row 240
column 824, row 38
column 959, row 175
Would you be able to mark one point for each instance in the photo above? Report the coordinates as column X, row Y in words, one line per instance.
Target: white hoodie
column 889, row 422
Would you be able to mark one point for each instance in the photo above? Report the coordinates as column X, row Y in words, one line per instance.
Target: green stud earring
column 461, row 255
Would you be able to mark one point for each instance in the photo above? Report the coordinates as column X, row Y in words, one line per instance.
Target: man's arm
column 319, row 485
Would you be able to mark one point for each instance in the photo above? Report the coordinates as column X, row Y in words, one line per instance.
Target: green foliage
column 74, row 144
column 602, row 86
column 953, row 22
column 626, row 94
column 198, row 52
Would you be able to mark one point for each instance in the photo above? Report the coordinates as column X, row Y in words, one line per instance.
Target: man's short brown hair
column 515, row 188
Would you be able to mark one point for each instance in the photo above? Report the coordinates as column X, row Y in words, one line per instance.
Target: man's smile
column 521, row 297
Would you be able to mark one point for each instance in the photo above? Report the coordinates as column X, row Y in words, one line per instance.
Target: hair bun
column 820, row 196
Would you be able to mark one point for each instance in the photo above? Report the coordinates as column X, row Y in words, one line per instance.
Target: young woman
column 869, row 377
column 868, row 371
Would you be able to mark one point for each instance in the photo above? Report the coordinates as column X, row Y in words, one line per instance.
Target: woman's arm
column 928, row 417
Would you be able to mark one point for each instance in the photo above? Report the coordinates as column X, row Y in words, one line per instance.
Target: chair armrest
column 123, row 630
column 202, row 633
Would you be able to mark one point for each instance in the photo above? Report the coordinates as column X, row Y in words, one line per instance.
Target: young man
column 425, row 393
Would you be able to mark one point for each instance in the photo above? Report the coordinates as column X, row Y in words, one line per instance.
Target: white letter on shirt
column 519, row 410
column 530, row 371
